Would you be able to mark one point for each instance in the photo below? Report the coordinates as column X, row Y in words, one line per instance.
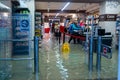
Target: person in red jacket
column 82, row 24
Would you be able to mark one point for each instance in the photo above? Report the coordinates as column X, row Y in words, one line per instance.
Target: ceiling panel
column 60, row 5
column 82, row 1
column 51, row 5
column 55, row 7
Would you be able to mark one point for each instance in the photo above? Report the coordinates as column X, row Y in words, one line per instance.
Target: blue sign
column 24, row 25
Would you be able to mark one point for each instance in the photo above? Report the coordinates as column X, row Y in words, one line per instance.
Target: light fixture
column 48, row 7
column 5, row 14
column 65, row 6
column 4, row 8
column 74, row 16
column 57, row 15
column 26, row 1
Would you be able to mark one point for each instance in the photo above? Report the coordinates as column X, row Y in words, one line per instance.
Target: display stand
column 21, row 34
column 38, row 24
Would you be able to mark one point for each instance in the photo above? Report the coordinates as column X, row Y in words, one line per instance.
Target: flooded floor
column 56, row 65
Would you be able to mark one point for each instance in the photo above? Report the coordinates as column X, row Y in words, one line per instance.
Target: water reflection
column 37, row 76
column 59, row 64
column 65, row 56
column 98, row 75
column 72, row 65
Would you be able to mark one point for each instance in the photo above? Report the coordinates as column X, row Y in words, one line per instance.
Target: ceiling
column 51, row 7
column 60, row 5
column 77, row 1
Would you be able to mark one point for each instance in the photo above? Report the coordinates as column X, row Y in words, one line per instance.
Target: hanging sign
column 108, row 17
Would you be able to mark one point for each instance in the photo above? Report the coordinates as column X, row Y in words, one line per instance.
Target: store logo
column 108, row 17
column 24, row 25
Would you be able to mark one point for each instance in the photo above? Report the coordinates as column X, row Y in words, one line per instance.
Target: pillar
column 109, row 7
column 31, row 5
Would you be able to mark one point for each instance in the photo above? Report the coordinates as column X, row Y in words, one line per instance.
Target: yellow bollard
column 65, row 50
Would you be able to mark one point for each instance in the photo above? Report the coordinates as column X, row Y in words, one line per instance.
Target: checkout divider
column 101, row 48
column 95, row 44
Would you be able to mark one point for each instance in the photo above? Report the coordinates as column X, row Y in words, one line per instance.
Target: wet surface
column 56, row 65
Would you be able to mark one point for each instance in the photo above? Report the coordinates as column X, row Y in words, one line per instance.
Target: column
column 109, row 21
column 31, row 5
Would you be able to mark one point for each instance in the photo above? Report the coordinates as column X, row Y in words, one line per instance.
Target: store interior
column 22, row 22
column 44, row 12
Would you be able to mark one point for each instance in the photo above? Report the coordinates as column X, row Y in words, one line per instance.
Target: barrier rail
column 102, row 52
column 74, row 36
column 36, row 55
column 78, row 37
column 15, row 59
column 98, row 61
column 89, row 46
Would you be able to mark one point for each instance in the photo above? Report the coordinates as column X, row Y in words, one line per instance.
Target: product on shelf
column 21, row 11
column 38, row 24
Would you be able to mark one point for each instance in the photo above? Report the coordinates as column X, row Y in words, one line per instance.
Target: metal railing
column 102, row 50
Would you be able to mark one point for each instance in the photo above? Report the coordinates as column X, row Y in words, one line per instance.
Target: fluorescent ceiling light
column 65, row 6
column 4, row 6
column 57, row 14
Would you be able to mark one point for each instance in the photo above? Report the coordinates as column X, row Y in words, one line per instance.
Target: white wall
column 113, row 7
column 107, row 7
column 102, row 8
column 30, row 4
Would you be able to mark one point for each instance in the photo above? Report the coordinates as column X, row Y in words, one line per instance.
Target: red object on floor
column 46, row 30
